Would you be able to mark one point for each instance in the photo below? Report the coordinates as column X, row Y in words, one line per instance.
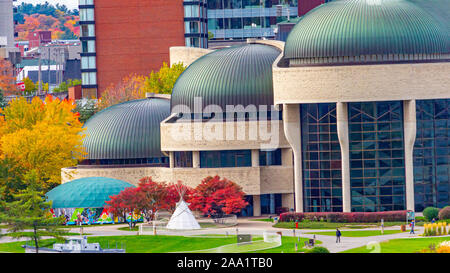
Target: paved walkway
column 256, row 228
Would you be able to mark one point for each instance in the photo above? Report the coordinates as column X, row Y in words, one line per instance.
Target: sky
column 70, row 4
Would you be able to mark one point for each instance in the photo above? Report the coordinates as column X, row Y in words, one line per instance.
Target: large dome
column 238, row 75
column 88, row 192
column 371, row 30
column 128, row 130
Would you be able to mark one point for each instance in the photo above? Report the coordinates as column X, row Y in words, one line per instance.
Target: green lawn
column 163, row 244
column 327, row 225
column 401, row 245
column 263, row 220
column 357, row 233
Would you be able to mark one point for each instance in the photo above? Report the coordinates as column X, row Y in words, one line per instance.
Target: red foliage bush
column 345, row 217
column 215, row 196
column 444, row 213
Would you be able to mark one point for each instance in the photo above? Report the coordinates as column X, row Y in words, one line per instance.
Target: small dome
column 127, row 130
column 390, row 29
column 238, row 75
column 88, row 192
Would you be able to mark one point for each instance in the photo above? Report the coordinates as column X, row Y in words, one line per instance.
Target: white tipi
column 182, row 218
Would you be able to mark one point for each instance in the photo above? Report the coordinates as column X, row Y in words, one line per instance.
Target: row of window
column 243, row 22
column 153, row 161
column 243, row 4
column 227, row 159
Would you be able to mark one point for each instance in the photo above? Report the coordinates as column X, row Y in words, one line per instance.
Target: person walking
column 412, row 227
column 338, row 235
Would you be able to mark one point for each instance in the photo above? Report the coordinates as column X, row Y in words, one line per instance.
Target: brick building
column 120, row 38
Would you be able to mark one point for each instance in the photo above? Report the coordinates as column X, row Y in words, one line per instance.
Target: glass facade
column 88, row 50
column 149, row 162
column 432, row 154
column 241, row 19
column 321, row 154
column 195, row 23
column 377, row 170
column 225, row 159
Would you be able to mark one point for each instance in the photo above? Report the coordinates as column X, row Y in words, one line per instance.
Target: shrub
column 318, row 249
column 444, row 213
column 420, row 219
column 345, row 217
column 430, row 212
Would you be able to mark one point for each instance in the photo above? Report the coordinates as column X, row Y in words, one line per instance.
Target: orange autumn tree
column 130, row 88
column 7, row 79
column 41, row 137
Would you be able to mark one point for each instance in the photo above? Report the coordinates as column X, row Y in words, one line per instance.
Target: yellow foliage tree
column 162, row 82
column 42, row 137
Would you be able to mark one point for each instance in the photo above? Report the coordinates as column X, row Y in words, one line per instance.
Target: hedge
column 345, row 217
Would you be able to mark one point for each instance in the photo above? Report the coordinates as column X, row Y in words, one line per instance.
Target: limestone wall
column 356, row 83
column 253, row 180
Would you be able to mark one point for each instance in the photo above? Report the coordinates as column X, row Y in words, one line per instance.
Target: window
column 377, row 173
column 182, row 159
column 89, row 78
column 88, row 62
column 321, row 158
column 270, row 158
column 191, row 11
column 270, row 203
column 86, row 2
column 88, row 30
column 86, row 14
column 88, row 46
column 431, row 156
column 225, row 159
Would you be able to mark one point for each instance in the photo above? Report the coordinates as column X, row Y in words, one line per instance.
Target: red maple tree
column 215, row 197
column 151, row 196
column 123, row 203
column 173, row 195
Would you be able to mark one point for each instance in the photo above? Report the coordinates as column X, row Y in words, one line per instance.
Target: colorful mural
column 91, row 216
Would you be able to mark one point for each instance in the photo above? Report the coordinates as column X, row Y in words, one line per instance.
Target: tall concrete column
column 409, row 127
column 256, row 205
column 342, row 131
column 171, row 160
column 292, row 129
column 286, row 157
column 195, row 159
column 255, row 158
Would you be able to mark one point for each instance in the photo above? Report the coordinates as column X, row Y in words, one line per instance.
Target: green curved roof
column 126, row 130
column 88, row 192
column 366, row 27
column 238, row 75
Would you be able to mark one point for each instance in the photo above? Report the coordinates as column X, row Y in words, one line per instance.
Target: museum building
column 350, row 114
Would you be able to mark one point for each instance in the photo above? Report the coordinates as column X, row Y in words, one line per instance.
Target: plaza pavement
column 246, row 226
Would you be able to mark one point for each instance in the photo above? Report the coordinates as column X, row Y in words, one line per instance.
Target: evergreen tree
column 31, row 211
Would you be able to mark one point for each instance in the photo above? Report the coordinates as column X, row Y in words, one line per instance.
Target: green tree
column 3, row 102
column 64, row 86
column 30, row 86
column 31, row 211
column 162, row 82
column 86, row 108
